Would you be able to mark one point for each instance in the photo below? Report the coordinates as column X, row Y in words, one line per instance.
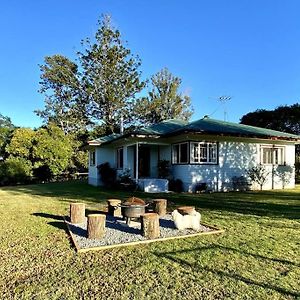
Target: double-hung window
column 120, row 158
column 204, row 153
column 180, row 153
column 272, row 155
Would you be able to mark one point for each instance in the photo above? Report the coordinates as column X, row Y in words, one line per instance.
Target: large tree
column 60, row 84
column 6, row 129
column 164, row 101
column 283, row 118
column 111, row 77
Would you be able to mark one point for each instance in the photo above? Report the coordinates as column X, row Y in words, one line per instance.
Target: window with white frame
column 180, row 153
column 272, row 155
column 92, row 158
column 204, row 153
column 120, row 158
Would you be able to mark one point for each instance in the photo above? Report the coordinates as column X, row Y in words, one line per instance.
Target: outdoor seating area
column 132, row 222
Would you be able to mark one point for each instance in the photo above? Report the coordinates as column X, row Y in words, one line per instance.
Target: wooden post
column 95, row 226
column 77, row 213
column 160, row 207
column 114, row 208
column 186, row 210
column 150, row 225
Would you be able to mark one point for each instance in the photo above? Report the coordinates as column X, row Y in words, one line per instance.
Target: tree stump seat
column 150, row 225
column 186, row 210
column 77, row 213
column 114, row 208
column 95, row 226
column 160, row 207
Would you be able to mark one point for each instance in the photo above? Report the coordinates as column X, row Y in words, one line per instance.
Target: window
column 272, row 155
column 120, row 158
column 92, row 158
column 180, row 153
column 204, row 153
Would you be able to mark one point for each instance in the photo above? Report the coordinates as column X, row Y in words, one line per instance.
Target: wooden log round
column 186, row 210
column 114, row 208
column 150, row 225
column 95, row 226
column 160, row 206
column 77, row 213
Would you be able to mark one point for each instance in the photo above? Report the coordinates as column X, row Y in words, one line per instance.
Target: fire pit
column 133, row 208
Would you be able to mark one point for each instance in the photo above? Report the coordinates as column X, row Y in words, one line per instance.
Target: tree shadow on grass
column 282, row 204
column 172, row 257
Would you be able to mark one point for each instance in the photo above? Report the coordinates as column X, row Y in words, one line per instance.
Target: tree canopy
column 283, row 118
column 111, row 77
column 164, row 100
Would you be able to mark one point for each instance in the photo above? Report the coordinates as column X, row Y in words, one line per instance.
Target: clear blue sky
column 249, row 50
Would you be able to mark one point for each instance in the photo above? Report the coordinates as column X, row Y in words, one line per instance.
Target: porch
column 141, row 161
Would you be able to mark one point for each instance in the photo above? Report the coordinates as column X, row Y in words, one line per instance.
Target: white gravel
column 117, row 232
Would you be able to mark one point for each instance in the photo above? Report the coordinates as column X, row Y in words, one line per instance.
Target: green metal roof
column 162, row 128
column 212, row 126
column 204, row 126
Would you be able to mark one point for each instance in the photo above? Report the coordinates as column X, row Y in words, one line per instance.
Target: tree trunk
column 77, row 213
column 150, row 225
column 96, row 226
column 160, row 207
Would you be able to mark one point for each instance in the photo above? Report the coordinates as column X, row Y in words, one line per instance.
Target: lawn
column 258, row 256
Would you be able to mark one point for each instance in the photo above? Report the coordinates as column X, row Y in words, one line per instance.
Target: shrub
column 176, row 185
column 163, row 168
column 259, row 175
column 15, row 170
column 43, row 173
column 108, row 175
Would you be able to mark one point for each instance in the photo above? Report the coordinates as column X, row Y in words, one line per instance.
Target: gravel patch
column 117, row 232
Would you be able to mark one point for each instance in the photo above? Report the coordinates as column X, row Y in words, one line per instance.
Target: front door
column 144, row 161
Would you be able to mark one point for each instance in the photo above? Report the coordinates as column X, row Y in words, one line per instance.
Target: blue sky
column 249, row 50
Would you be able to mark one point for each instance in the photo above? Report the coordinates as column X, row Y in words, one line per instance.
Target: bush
column 15, row 170
column 163, row 168
column 108, row 175
column 43, row 173
column 176, row 185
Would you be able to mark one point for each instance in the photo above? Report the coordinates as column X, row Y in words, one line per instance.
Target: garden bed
column 118, row 233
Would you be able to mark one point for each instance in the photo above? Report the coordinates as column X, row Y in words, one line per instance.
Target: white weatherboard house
column 204, row 151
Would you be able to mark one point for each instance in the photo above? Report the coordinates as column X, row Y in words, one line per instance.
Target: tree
column 21, row 143
column 6, row 129
column 111, row 77
column 259, row 175
column 283, row 118
column 164, row 100
column 60, row 83
column 53, row 149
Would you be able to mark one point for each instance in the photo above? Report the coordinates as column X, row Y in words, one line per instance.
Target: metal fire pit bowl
column 132, row 211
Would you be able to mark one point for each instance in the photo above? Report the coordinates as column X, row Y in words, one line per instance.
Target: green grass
column 258, row 256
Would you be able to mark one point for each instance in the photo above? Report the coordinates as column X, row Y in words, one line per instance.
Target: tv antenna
column 223, row 100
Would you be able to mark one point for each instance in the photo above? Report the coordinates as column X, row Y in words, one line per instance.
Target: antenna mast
column 223, row 100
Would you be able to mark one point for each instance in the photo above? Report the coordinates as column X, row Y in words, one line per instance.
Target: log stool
column 150, row 225
column 95, row 226
column 77, row 213
column 114, row 208
column 186, row 210
column 160, row 206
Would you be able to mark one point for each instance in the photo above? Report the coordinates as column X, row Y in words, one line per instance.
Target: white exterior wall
column 235, row 158
column 102, row 155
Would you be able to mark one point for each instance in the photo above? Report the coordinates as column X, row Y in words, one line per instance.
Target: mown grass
column 258, row 256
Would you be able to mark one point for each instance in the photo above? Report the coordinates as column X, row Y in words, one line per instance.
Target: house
column 204, row 151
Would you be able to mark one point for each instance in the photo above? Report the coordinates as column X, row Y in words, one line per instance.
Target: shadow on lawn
column 284, row 204
column 172, row 257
